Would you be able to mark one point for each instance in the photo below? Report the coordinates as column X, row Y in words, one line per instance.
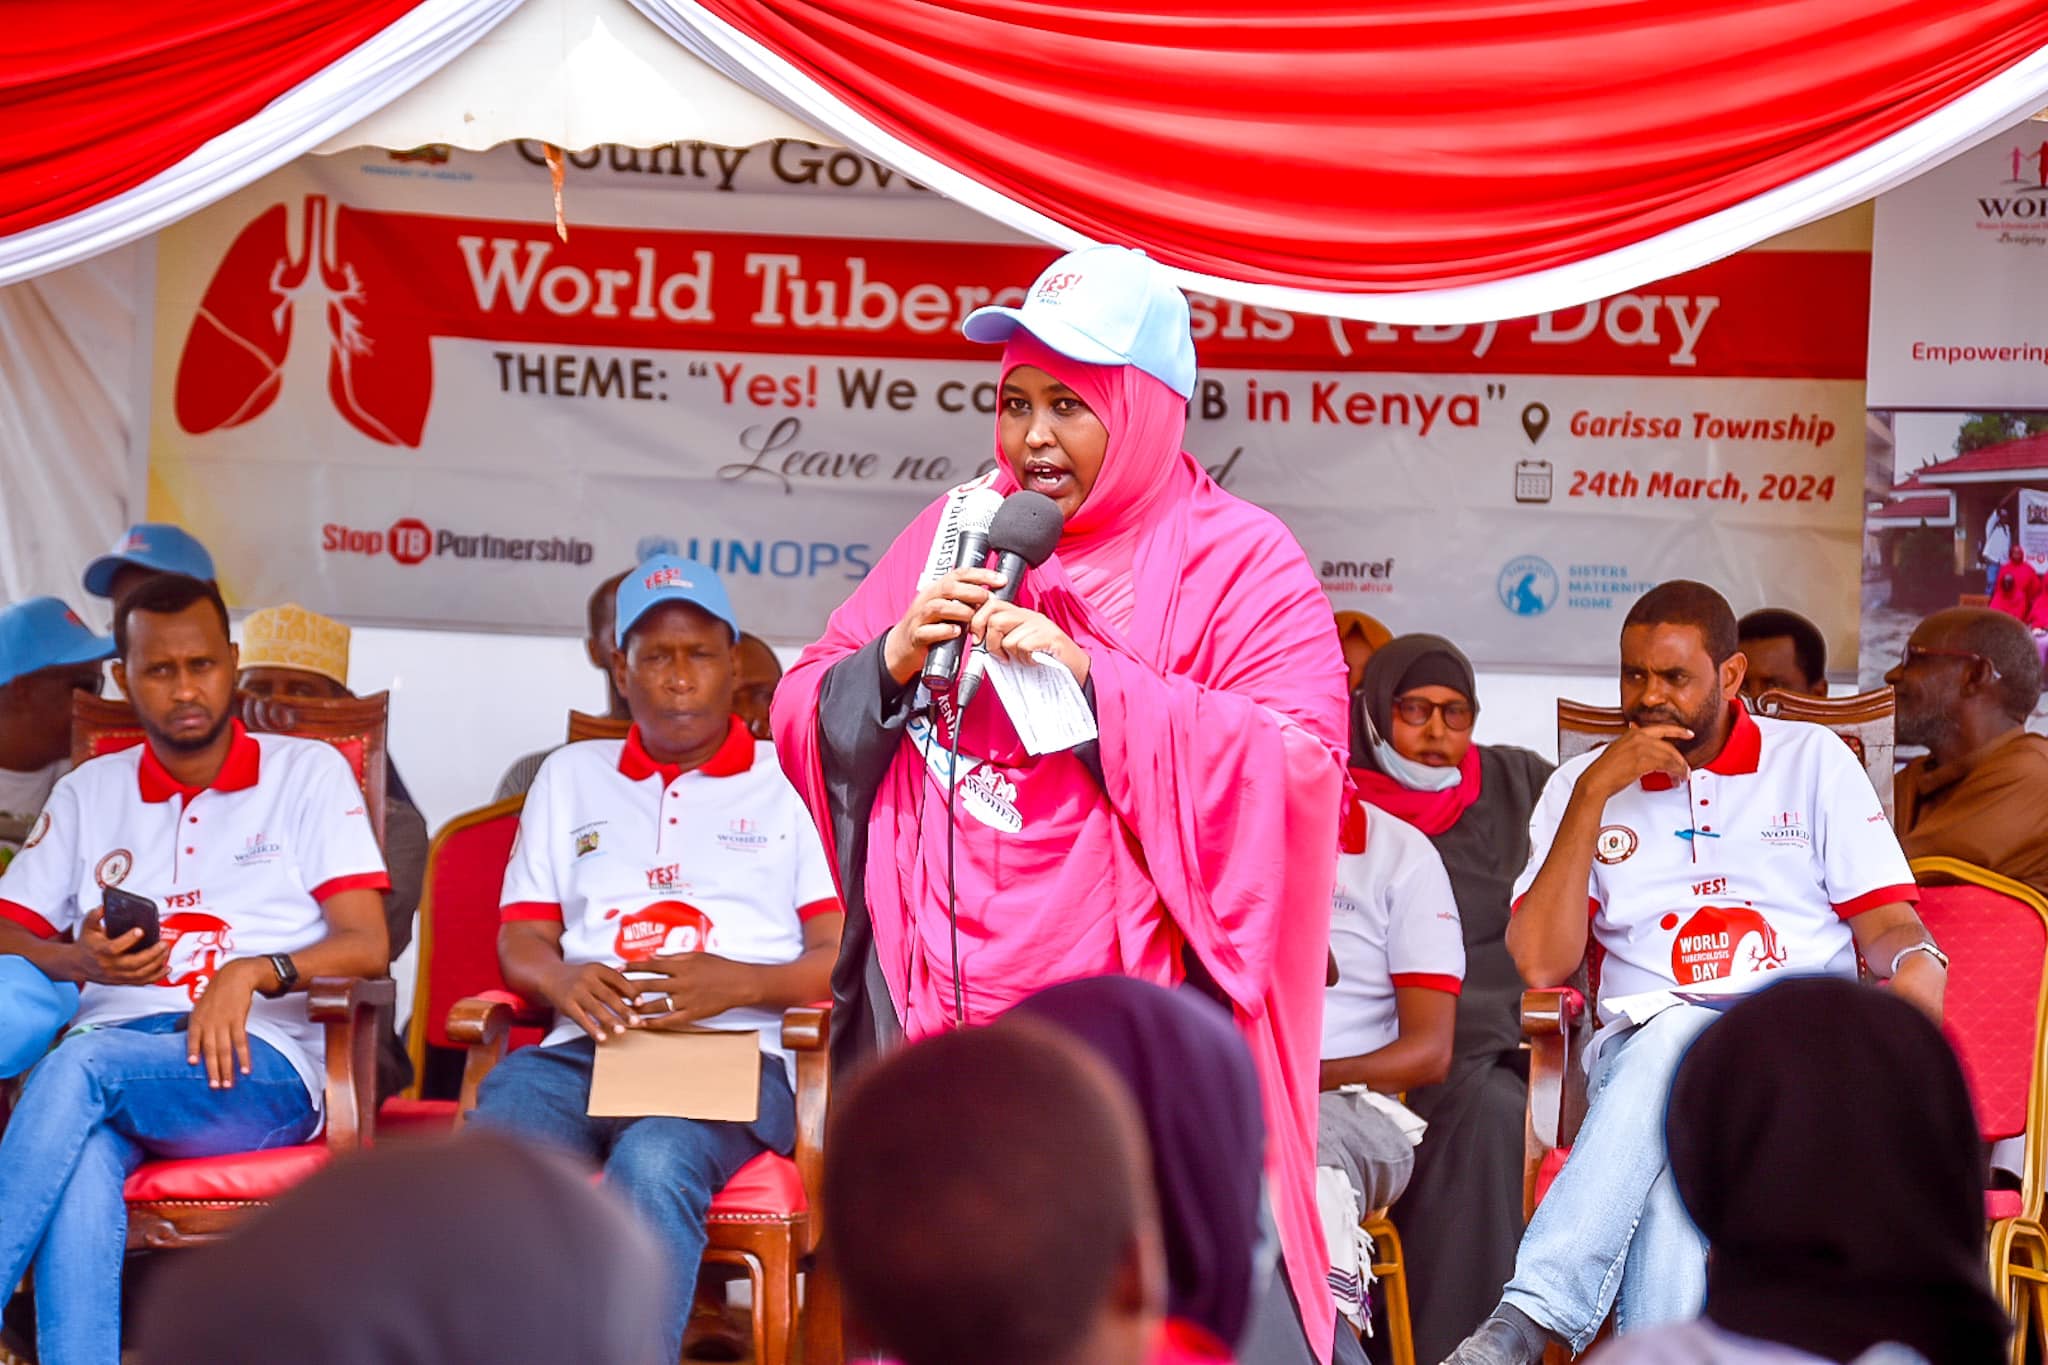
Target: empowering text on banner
column 392, row 391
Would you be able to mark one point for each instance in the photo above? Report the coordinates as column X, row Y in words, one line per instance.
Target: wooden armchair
column 1557, row 1022
column 765, row 1221
column 583, row 725
column 190, row 1201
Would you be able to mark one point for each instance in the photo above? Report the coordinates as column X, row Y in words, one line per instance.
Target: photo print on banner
column 387, row 374
column 1956, row 465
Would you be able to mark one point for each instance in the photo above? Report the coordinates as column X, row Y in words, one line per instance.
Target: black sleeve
column 861, row 714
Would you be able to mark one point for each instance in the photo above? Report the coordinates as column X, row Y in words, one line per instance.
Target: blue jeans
column 666, row 1168
column 92, row 1110
column 1612, row 1232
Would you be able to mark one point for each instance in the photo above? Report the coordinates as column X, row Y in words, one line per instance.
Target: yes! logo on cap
column 1053, row 287
column 667, row 576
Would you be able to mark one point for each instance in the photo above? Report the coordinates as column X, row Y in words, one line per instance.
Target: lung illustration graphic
column 380, row 366
column 233, row 362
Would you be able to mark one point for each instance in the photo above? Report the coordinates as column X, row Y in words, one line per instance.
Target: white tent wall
column 69, row 396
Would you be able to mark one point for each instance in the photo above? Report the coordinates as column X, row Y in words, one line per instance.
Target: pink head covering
column 1146, row 421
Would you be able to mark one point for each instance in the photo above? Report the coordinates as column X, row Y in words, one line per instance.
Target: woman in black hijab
column 1186, row 1066
column 1823, row 1140
column 1412, row 755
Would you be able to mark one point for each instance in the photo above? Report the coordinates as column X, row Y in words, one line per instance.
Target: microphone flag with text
column 977, row 514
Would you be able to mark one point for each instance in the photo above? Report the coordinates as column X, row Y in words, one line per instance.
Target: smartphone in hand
column 124, row 910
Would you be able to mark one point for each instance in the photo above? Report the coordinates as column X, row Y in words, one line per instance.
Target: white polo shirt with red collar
column 637, row 860
column 1754, row 865
column 238, row 868
column 1393, row 923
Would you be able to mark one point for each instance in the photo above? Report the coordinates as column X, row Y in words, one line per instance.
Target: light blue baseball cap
column 44, row 633
column 149, row 545
column 671, row 578
column 1103, row 305
column 33, row 1011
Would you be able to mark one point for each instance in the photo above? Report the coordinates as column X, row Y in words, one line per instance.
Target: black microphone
column 1024, row 535
column 977, row 515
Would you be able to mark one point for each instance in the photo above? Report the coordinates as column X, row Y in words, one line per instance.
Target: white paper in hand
column 1044, row 702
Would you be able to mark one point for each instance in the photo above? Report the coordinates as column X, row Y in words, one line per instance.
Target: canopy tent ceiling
column 1450, row 162
column 575, row 73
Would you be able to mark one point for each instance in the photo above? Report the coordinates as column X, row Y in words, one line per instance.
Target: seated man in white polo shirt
column 672, row 880
column 1707, row 853
column 1388, row 1022
column 259, row 856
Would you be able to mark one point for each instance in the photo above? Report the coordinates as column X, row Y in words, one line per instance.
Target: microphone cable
column 952, row 889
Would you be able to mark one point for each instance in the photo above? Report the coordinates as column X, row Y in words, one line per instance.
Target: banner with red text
column 386, row 388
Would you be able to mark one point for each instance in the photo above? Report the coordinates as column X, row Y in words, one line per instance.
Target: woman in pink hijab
column 1192, row 841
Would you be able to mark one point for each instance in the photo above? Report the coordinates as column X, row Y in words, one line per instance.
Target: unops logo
column 1527, row 585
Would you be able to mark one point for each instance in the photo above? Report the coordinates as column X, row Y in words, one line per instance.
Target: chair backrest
column 1865, row 723
column 584, row 726
column 1995, row 932
column 1582, row 728
column 458, row 933
column 355, row 726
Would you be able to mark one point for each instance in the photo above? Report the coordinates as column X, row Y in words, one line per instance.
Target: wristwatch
column 1925, row 945
column 288, row 973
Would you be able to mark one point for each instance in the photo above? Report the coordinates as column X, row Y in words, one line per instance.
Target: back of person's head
column 989, row 1204
column 1208, row 1140
column 1809, row 646
column 1682, row 602
column 166, row 595
column 480, row 1248
column 2008, row 645
column 1823, row 1140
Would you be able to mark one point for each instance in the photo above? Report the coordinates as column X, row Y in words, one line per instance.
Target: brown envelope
column 703, row 1074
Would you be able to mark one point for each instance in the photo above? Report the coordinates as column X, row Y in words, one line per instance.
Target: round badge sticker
column 1615, row 844
column 35, row 835
column 114, row 868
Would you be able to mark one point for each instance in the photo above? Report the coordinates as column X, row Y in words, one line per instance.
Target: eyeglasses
column 1913, row 651
column 1416, row 711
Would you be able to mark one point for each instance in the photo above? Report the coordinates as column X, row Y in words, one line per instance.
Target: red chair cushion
column 238, row 1178
column 766, row 1187
column 464, row 877
column 1995, row 945
column 1553, row 1162
column 2001, row 1204
column 401, row 1117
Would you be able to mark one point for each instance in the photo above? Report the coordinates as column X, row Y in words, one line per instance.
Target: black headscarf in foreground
column 1187, row 1067
column 1823, row 1139
column 475, row 1248
column 1402, row 664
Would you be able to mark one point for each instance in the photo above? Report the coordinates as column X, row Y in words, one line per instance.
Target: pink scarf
column 1430, row 812
column 1222, row 711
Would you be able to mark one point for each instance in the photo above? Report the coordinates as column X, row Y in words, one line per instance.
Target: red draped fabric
column 1396, row 146
column 103, row 94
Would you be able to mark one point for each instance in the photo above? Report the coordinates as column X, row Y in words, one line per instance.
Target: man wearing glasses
column 1967, row 682
column 1708, row 852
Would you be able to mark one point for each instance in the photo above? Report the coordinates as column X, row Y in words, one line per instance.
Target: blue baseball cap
column 33, row 1011
column 44, row 633
column 671, row 578
column 149, row 545
column 1103, row 305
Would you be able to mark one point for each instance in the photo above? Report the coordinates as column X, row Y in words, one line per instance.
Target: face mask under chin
column 1415, row 776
